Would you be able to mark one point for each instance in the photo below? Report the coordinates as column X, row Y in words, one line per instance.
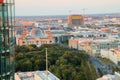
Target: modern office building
column 7, row 39
column 75, row 20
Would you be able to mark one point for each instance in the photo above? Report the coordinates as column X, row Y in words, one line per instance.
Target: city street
column 100, row 67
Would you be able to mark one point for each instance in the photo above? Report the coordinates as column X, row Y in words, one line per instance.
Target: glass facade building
column 7, row 40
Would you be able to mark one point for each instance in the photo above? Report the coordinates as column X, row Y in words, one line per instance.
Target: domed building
column 36, row 36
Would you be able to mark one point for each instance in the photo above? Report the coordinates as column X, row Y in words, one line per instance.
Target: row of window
column 34, row 42
column 108, row 46
column 6, row 41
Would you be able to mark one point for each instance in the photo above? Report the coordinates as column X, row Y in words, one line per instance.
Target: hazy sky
column 62, row 7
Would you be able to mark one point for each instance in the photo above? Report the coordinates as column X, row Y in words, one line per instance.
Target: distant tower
column 48, row 28
column 7, row 39
column 75, row 20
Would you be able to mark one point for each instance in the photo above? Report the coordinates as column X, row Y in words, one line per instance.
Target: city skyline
column 62, row 7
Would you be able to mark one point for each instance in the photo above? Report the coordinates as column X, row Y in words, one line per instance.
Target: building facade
column 112, row 54
column 36, row 36
column 7, row 39
column 75, row 20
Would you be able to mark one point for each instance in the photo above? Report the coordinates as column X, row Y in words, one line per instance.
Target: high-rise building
column 7, row 39
column 75, row 20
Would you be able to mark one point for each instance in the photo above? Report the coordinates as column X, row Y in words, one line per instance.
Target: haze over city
column 62, row 7
column 59, row 40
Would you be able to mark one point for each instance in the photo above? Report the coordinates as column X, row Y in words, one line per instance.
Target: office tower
column 7, row 39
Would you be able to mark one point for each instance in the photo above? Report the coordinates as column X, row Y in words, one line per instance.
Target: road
column 101, row 68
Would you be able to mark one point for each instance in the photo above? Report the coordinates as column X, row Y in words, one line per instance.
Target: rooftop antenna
column 84, row 11
column 70, row 12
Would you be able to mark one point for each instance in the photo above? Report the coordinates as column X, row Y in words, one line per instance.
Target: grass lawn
column 106, row 61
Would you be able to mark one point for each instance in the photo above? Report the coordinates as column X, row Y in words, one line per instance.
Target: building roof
column 24, row 75
column 107, row 77
column 31, row 75
column 116, row 51
column 37, row 33
column 57, row 31
column 42, row 75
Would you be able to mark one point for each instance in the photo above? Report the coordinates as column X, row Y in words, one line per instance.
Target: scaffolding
column 7, row 39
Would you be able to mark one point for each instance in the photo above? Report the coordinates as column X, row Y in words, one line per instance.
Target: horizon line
column 71, row 14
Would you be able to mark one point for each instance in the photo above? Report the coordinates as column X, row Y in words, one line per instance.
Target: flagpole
column 46, row 65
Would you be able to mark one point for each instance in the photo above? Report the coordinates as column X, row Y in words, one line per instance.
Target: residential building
column 112, row 54
column 99, row 44
column 91, row 45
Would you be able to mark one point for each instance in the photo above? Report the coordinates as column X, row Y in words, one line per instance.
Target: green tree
column 65, row 63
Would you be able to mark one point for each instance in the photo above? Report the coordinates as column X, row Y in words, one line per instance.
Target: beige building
column 81, row 44
column 112, row 54
column 35, row 36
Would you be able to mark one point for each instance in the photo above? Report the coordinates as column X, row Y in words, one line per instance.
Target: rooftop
column 116, row 51
column 32, row 75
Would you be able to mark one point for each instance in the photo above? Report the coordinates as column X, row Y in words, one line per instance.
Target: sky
column 65, row 7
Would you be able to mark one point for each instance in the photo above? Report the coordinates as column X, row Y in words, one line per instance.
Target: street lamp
column 46, row 65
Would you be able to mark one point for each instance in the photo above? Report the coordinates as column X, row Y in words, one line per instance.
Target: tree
column 62, row 61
